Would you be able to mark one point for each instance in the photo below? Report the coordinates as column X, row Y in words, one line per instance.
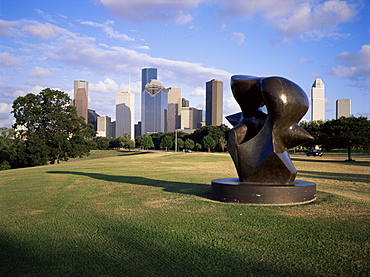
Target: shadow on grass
column 170, row 186
column 319, row 160
column 346, row 177
column 132, row 153
column 130, row 254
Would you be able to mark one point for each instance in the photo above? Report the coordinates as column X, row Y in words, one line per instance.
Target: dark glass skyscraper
column 214, row 99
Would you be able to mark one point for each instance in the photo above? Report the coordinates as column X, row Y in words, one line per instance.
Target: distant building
column 318, row 100
column 214, row 102
column 105, row 128
column 191, row 118
column 124, row 114
column 138, row 129
column 154, row 103
column 174, row 109
column 185, row 102
column 343, row 108
column 93, row 119
column 80, row 101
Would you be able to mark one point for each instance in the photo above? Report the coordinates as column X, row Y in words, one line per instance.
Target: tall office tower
column 174, row 109
column 104, row 127
column 125, row 114
column 154, row 103
column 191, row 118
column 80, row 101
column 318, row 100
column 214, row 98
column 185, row 102
column 343, row 108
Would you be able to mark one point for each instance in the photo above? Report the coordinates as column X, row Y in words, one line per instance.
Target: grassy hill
column 148, row 214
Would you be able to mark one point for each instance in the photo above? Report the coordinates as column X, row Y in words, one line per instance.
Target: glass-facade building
column 154, row 103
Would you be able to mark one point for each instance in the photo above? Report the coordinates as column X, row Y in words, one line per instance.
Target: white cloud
column 198, row 91
column 142, row 47
column 108, row 86
column 108, row 29
column 166, row 10
column 5, row 108
column 39, row 72
column 7, row 59
column 304, row 61
column 354, row 65
column 238, row 38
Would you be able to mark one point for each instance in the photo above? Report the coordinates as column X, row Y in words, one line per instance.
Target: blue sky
column 108, row 42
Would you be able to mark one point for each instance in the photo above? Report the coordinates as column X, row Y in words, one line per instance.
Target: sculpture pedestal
column 232, row 190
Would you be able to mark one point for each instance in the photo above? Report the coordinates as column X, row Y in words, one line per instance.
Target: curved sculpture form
column 258, row 142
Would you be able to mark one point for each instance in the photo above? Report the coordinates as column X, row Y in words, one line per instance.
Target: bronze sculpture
column 258, row 143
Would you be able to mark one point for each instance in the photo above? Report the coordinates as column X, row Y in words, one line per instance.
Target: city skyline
column 47, row 44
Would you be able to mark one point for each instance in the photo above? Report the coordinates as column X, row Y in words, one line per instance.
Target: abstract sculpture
column 258, row 143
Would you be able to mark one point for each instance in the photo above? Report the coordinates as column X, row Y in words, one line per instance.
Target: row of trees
column 207, row 138
column 345, row 132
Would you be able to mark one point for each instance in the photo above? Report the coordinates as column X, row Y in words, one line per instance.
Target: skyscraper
column 174, row 109
column 80, row 101
column 154, row 103
column 125, row 114
column 214, row 99
column 318, row 100
column 343, row 108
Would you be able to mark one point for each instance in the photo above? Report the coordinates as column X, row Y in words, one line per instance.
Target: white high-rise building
column 318, row 100
column 343, row 108
column 125, row 114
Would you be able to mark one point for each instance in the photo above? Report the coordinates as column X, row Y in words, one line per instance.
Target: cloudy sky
column 107, row 43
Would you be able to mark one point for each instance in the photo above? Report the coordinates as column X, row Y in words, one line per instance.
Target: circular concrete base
column 232, row 190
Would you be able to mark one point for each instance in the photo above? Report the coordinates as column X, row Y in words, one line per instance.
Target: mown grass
column 148, row 214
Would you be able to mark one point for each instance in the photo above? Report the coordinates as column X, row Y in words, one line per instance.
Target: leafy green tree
column 314, row 129
column 345, row 132
column 102, row 143
column 127, row 142
column 50, row 127
column 145, row 141
column 189, row 144
column 166, row 142
column 216, row 132
column 5, row 165
column 180, row 143
column 222, row 142
column 6, row 133
column 198, row 146
column 209, row 143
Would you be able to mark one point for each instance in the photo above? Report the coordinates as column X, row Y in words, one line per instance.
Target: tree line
column 345, row 132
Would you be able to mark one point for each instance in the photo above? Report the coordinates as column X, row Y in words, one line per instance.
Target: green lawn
column 148, row 214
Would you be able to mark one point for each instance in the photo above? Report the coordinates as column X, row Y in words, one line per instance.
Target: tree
column 50, row 127
column 209, row 143
column 145, row 141
column 223, row 142
column 127, row 142
column 314, row 129
column 102, row 143
column 198, row 146
column 166, row 142
column 180, row 143
column 189, row 144
column 345, row 132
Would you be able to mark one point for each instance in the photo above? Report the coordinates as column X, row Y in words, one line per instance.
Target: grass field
column 148, row 214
